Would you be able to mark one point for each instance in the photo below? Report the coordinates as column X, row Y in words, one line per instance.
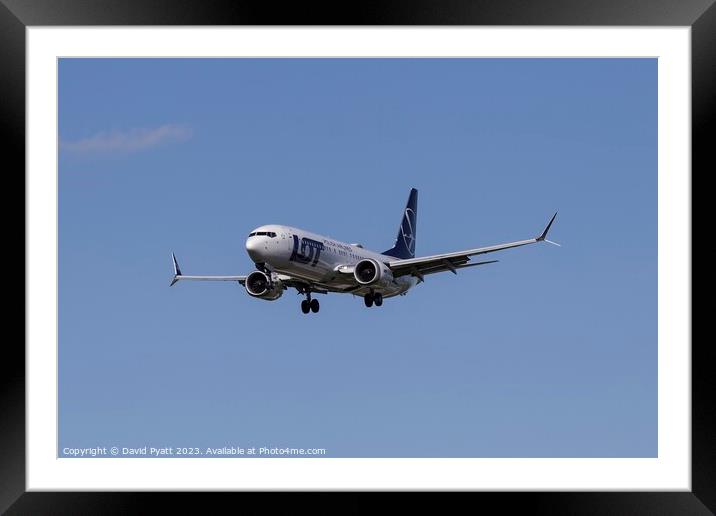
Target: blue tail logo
column 407, row 230
column 404, row 247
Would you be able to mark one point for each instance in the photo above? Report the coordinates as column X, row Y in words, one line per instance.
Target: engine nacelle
column 261, row 285
column 370, row 272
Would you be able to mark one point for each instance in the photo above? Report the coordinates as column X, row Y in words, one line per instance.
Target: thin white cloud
column 133, row 140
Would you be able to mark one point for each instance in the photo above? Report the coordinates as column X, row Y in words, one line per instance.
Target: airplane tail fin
column 404, row 247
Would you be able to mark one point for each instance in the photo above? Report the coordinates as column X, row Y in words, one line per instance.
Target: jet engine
column 370, row 272
column 261, row 285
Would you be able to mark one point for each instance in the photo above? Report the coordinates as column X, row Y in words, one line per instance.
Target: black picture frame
column 16, row 15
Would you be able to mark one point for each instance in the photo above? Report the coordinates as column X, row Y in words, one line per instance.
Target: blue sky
column 552, row 352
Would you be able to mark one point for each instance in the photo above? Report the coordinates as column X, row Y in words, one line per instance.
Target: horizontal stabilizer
column 476, row 263
column 446, row 267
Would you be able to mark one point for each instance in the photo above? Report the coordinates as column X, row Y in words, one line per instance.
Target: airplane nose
column 255, row 249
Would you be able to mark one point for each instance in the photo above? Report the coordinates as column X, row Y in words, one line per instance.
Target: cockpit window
column 269, row 234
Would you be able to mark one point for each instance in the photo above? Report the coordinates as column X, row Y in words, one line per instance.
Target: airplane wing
column 179, row 276
column 288, row 281
column 419, row 267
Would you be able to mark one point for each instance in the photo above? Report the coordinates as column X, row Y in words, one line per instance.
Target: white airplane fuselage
column 316, row 258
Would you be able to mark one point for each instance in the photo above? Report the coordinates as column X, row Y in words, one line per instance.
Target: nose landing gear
column 310, row 305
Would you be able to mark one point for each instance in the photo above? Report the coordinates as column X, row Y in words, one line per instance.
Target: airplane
column 288, row 257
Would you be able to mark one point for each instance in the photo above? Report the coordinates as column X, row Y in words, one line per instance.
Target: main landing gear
column 310, row 305
column 373, row 297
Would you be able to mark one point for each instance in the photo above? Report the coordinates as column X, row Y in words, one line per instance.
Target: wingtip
column 543, row 236
column 177, row 270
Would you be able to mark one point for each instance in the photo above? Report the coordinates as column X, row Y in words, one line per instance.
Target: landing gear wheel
column 305, row 306
column 315, row 306
column 378, row 299
column 368, row 300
